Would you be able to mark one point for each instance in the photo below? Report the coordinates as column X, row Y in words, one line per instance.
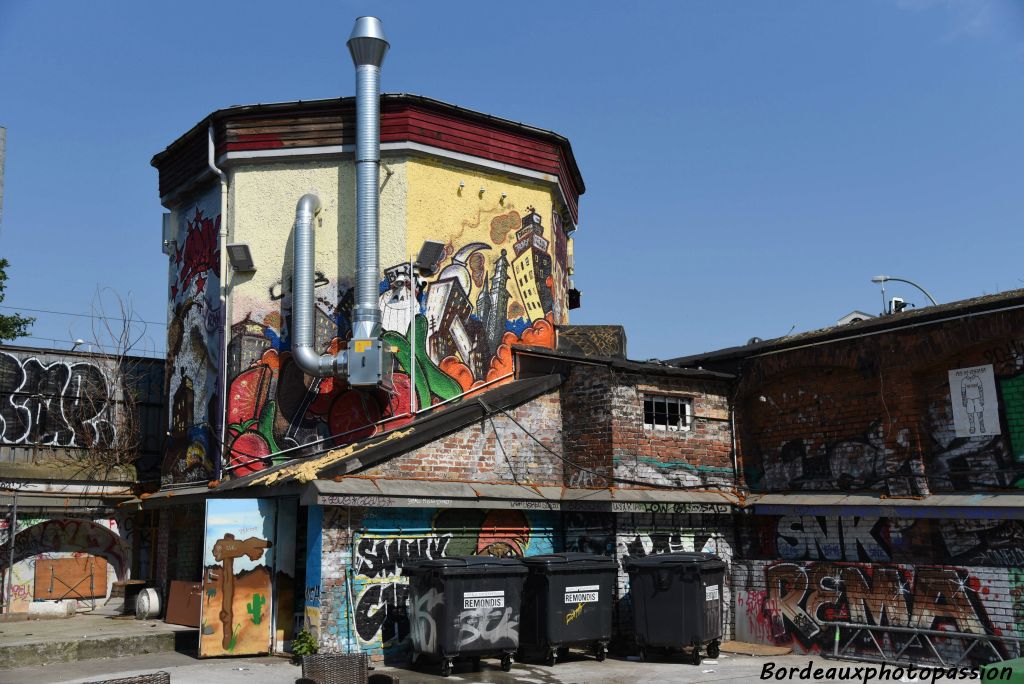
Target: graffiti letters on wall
column 193, row 342
column 379, row 616
column 60, row 403
column 495, row 288
column 798, row 600
column 850, row 429
column 992, row 543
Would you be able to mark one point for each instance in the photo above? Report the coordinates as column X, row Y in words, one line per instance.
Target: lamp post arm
column 911, row 282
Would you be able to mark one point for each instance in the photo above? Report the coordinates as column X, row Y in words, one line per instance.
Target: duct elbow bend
column 307, row 204
column 320, row 365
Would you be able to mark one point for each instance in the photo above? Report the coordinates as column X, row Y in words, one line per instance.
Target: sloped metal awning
column 356, row 491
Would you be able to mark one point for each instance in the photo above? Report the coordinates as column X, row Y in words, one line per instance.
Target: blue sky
column 749, row 165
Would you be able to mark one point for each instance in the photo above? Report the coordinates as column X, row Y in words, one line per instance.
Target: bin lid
column 703, row 561
column 465, row 565
column 569, row 562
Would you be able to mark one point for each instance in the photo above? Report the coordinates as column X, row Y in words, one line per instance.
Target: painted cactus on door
column 498, row 284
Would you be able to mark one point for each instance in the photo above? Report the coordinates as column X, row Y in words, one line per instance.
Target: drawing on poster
column 975, row 405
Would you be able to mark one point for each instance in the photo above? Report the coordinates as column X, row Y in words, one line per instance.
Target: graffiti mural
column 379, row 617
column 495, row 288
column 193, row 343
column 907, row 418
column 236, row 615
column 796, row 600
column 974, row 542
column 61, row 403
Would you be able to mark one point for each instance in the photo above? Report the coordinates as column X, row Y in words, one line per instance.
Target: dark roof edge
column 422, row 100
column 450, row 419
column 1006, row 301
column 463, row 415
column 622, row 364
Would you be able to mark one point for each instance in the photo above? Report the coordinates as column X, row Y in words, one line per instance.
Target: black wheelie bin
column 465, row 608
column 677, row 602
column 568, row 601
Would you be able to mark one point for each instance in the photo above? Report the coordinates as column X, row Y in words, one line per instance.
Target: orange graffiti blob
column 460, row 372
column 541, row 333
column 502, row 531
column 271, row 359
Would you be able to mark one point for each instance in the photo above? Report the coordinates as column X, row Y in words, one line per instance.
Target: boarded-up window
column 62, row 578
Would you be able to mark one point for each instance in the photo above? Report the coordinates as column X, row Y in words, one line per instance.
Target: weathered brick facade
column 604, row 430
column 875, row 412
column 492, row 450
column 874, row 415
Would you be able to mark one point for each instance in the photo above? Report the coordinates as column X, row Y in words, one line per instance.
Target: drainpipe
column 222, row 246
column 303, row 335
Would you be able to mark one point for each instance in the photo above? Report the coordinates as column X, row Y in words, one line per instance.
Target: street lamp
column 886, row 278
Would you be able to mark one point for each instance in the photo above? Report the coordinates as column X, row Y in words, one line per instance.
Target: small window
column 667, row 413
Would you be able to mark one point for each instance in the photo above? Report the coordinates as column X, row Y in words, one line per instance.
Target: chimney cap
column 367, row 43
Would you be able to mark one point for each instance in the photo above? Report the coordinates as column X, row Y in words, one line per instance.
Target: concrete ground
column 577, row 669
column 27, row 643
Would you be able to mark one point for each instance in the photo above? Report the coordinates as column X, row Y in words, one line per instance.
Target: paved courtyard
column 185, row 669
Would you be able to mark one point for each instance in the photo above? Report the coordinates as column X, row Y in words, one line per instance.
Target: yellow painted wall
column 271, row 405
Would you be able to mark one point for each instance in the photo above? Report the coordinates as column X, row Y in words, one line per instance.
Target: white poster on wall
column 975, row 406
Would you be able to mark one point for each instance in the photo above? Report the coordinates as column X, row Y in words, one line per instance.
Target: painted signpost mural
column 237, row 582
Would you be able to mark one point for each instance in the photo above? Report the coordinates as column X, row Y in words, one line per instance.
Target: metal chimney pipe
column 303, row 336
column 368, row 47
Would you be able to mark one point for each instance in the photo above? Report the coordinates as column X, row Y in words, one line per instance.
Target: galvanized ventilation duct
column 366, row 363
column 368, row 47
column 303, row 335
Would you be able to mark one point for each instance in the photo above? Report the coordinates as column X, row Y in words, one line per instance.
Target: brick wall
column 876, row 412
column 701, row 455
column 179, row 554
column 492, row 450
column 799, row 571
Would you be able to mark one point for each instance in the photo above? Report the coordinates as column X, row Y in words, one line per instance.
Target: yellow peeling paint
column 307, row 471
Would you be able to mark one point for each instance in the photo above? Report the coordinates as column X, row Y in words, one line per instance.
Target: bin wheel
column 506, row 662
column 550, row 659
column 446, row 667
column 713, row 649
column 476, row 663
column 695, row 656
